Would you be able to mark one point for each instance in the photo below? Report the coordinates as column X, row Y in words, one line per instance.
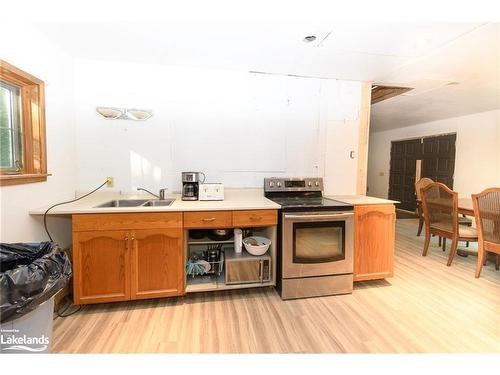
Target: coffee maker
column 191, row 185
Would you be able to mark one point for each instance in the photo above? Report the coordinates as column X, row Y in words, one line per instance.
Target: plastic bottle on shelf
column 238, row 240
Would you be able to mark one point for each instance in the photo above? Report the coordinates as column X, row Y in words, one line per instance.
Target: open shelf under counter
column 208, row 241
column 210, row 283
column 203, row 283
column 207, row 284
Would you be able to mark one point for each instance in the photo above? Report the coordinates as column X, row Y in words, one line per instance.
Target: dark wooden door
column 404, row 156
column 438, row 163
column 438, row 158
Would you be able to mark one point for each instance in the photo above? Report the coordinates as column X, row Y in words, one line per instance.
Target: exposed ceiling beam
column 380, row 93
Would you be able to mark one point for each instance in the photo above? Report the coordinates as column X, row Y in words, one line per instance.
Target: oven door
column 317, row 243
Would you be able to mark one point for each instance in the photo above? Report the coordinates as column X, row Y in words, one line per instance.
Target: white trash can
column 31, row 333
column 31, row 274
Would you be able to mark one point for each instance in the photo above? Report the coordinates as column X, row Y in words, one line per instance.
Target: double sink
column 136, row 203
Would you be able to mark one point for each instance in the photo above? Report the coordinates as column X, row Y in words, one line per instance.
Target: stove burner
column 307, row 202
column 301, row 194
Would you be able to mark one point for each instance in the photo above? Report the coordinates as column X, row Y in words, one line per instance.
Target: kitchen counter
column 237, row 199
column 360, row 199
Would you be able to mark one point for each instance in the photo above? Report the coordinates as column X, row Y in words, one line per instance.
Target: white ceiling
column 459, row 78
column 421, row 55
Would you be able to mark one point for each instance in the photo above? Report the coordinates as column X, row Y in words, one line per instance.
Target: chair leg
column 497, row 262
column 467, row 244
column 439, row 241
column 420, row 226
column 453, row 250
column 480, row 260
column 444, row 244
column 426, row 243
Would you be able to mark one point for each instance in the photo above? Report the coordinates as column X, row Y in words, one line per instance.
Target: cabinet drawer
column 255, row 218
column 208, row 219
column 127, row 221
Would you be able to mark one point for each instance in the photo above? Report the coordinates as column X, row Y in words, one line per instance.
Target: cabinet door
column 374, row 227
column 157, row 263
column 101, row 266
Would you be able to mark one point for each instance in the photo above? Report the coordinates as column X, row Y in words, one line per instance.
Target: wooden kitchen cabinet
column 255, row 218
column 142, row 258
column 101, row 266
column 208, row 219
column 157, row 263
column 374, row 236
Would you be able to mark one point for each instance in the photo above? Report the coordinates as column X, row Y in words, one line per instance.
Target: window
column 10, row 130
column 22, row 127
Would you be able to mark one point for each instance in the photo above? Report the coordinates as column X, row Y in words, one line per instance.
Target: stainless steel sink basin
column 123, row 203
column 158, row 202
column 136, row 203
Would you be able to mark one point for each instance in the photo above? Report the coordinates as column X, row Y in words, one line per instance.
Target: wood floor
column 425, row 307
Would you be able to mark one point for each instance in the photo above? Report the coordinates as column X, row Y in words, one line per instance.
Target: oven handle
column 321, row 216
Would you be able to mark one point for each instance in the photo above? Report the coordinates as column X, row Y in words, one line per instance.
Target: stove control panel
column 293, row 184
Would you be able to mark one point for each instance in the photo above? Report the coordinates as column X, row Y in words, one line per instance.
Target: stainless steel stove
column 315, row 239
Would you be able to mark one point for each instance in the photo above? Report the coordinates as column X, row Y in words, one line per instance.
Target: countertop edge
column 151, row 210
column 260, row 203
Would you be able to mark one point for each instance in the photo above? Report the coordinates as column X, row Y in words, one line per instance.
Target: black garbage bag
column 16, row 254
column 33, row 273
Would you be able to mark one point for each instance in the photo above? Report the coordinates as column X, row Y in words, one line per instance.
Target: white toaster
column 211, row 192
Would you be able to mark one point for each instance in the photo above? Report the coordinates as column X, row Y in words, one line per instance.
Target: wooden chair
column 440, row 207
column 423, row 182
column 419, row 185
column 487, row 213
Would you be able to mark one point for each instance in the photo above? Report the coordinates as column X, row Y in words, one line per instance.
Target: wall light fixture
column 111, row 113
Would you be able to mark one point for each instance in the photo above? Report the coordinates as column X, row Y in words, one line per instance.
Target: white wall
column 477, row 160
column 237, row 127
column 29, row 51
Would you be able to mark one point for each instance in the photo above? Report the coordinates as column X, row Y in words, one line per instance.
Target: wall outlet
column 110, row 182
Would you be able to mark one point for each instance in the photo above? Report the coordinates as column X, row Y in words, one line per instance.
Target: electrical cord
column 60, row 204
column 61, row 314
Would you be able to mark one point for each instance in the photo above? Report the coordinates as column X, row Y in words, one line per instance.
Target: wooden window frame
column 34, row 168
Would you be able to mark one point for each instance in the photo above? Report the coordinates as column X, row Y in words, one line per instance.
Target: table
column 465, row 206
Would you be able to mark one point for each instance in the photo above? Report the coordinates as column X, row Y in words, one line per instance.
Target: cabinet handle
column 255, row 218
column 126, row 242
column 207, row 219
column 260, row 271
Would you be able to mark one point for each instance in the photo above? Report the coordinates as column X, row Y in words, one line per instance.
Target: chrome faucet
column 161, row 196
column 163, row 192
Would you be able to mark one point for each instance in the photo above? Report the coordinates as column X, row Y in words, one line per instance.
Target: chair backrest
column 440, row 205
column 487, row 212
column 420, row 184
